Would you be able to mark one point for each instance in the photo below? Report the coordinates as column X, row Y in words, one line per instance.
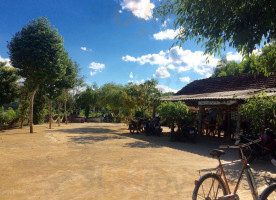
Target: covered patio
column 218, row 100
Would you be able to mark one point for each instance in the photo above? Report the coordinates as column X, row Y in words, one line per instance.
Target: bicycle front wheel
column 269, row 193
column 209, row 187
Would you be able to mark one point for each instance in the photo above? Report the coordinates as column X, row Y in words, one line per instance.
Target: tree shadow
column 92, row 139
column 87, row 130
column 203, row 147
column 140, row 144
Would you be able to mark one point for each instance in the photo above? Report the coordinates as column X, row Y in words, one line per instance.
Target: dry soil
column 92, row 161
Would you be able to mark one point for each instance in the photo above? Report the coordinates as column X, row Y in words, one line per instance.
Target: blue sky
column 114, row 40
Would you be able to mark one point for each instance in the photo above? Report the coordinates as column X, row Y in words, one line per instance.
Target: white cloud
column 6, row 60
column 168, row 34
column 85, row 49
column 178, row 59
column 153, row 59
column 164, row 25
column 120, row 11
column 164, row 88
column 92, row 73
column 185, row 79
column 171, row 66
column 96, row 67
column 161, row 72
column 140, row 8
column 131, row 75
column 234, row 56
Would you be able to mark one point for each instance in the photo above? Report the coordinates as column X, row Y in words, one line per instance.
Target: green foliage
column 174, row 113
column 243, row 24
column 36, row 52
column 6, row 116
column 87, row 100
column 266, row 62
column 260, row 111
column 40, row 107
column 8, row 84
column 144, row 98
column 167, row 94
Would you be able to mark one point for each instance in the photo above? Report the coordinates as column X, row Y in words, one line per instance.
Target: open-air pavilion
column 217, row 100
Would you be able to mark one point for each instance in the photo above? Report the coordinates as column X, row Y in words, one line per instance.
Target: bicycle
column 270, row 191
column 214, row 186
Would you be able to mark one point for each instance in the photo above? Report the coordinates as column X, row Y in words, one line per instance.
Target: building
column 225, row 95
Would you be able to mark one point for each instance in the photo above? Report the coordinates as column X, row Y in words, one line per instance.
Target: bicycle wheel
column 209, row 187
column 269, row 193
column 131, row 128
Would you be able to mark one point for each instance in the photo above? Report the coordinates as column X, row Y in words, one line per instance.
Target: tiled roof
column 229, row 83
column 226, row 95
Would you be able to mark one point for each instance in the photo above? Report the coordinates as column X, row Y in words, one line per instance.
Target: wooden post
column 238, row 127
column 59, row 107
column 228, row 118
column 200, row 114
column 50, row 115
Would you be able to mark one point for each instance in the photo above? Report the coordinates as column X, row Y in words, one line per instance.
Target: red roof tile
column 229, row 83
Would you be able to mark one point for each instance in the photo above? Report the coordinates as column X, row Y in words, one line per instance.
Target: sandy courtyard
column 103, row 161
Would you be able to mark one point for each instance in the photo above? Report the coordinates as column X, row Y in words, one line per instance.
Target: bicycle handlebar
column 239, row 146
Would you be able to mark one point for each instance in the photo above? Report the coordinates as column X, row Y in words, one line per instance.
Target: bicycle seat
column 217, row 153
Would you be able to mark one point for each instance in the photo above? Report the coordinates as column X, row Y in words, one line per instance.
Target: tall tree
column 241, row 23
column 8, row 84
column 36, row 53
column 87, row 100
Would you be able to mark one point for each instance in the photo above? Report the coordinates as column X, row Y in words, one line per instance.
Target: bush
column 7, row 116
column 174, row 113
column 260, row 111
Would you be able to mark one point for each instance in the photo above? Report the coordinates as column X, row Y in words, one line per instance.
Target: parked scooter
column 185, row 132
column 136, row 126
column 153, row 127
column 265, row 149
column 189, row 132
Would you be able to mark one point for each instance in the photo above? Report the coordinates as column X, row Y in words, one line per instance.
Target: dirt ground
column 104, row 161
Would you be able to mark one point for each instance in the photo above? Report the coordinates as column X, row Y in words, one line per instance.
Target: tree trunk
column 65, row 112
column 50, row 115
column 31, row 109
column 21, row 123
column 59, row 107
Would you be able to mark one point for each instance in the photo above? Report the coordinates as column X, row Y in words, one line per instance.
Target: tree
column 173, row 112
column 260, row 111
column 263, row 61
column 241, row 23
column 266, row 62
column 36, row 52
column 8, row 84
column 87, row 100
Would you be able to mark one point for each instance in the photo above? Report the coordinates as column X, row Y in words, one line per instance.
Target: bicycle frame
column 245, row 169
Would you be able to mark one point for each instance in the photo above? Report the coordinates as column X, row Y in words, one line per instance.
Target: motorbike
column 153, row 127
column 185, row 132
column 136, row 126
column 265, row 149
column 189, row 132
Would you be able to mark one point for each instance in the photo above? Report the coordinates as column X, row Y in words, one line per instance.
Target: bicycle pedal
column 229, row 197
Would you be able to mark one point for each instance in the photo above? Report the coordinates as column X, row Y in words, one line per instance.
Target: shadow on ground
column 91, row 139
column 204, row 145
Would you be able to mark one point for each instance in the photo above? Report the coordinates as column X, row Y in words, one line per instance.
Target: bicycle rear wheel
column 209, row 187
column 269, row 193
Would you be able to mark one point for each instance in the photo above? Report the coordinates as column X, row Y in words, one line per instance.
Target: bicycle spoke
column 272, row 196
column 210, row 189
